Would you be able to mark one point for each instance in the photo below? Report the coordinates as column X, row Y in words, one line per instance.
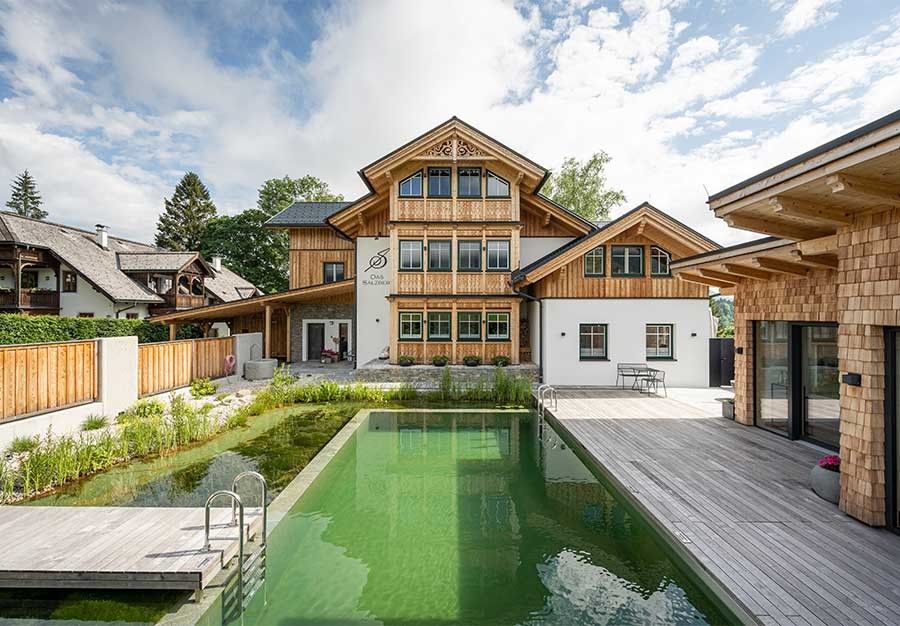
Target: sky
column 108, row 103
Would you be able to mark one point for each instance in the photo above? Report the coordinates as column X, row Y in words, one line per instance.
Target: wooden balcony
column 29, row 299
column 178, row 302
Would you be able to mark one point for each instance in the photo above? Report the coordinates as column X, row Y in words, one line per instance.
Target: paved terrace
column 736, row 499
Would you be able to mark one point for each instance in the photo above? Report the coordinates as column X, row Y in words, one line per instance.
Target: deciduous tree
column 581, row 186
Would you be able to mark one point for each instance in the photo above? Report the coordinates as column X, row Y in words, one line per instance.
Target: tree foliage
column 15, row 329
column 186, row 215
column 260, row 254
column 581, row 187
column 722, row 308
column 25, row 198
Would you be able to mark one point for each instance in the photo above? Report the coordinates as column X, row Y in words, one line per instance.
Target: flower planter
column 728, row 410
column 826, row 483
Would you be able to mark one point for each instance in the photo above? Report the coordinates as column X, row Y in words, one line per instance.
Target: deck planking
column 116, row 547
column 737, row 501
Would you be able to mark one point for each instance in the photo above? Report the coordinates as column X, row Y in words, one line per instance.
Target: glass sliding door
column 772, row 379
column 892, row 430
column 820, row 385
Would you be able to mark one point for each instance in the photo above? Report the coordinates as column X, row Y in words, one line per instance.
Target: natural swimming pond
column 429, row 517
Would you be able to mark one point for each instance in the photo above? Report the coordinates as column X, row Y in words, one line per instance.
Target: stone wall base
column 430, row 376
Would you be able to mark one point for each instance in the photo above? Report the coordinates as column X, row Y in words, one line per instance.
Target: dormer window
column 411, row 187
column 497, row 187
column 659, row 262
column 469, row 182
column 438, row 182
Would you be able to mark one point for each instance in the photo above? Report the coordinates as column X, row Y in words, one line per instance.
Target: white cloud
column 800, row 15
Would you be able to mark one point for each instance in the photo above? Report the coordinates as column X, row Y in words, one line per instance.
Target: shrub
column 832, row 463
column 472, row 360
column 440, row 360
column 201, row 387
column 406, row 361
column 15, row 329
column 143, row 409
column 22, row 444
column 94, row 422
column 500, row 361
column 236, row 420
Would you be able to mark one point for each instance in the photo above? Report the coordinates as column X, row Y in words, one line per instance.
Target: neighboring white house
column 53, row 269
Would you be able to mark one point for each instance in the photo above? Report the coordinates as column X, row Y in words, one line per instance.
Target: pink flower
column 831, row 462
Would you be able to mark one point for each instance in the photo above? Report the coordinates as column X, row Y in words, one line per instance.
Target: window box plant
column 440, row 360
column 472, row 360
column 406, row 361
column 500, row 361
column 825, row 478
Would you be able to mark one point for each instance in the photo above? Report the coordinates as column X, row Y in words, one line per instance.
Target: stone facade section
column 316, row 311
column 429, row 376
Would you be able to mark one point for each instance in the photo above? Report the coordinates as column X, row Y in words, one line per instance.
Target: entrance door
column 343, row 332
column 315, row 341
column 820, row 379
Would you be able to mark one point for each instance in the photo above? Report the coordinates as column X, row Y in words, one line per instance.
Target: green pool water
column 427, row 518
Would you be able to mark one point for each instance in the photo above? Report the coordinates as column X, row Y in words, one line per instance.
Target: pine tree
column 25, row 199
column 186, row 215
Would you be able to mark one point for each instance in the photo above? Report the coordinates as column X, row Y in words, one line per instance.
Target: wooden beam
column 822, row 245
column 775, row 229
column 724, row 277
column 819, row 260
column 789, row 207
column 267, row 340
column 173, row 331
column 863, row 188
column 641, row 226
column 780, row 267
column 702, row 280
column 747, row 272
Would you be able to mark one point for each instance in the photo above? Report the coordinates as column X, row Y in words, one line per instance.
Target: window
column 411, row 187
column 469, row 256
column 131, row 316
column 69, row 282
column 593, row 262
column 497, row 326
column 659, row 341
column 592, row 342
column 410, row 255
column 659, row 262
column 627, row 261
column 29, row 280
column 439, row 256
column 469, row 324
column 469, row 184
column 438, row 182
column 85, row 315
column 334, row 272
column 439, row 325
column 410, row 326
column 498, row 255
column 496, row 186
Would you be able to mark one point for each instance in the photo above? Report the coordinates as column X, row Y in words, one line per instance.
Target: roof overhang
column 817, row 192
column 237, row 308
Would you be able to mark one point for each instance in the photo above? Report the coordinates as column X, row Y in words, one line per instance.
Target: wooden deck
column 736, row 501
column 115, row 547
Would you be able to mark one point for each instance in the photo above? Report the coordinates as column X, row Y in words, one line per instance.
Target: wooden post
column 287, row 326
column 204, row 329
column 267, row 339
column 173, row 330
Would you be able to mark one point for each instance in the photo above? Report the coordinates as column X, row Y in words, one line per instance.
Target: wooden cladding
column 307, row 266
column 318, row 239
column 172, row 364
column 46, row 377
column 455, row 210
column 415, row 283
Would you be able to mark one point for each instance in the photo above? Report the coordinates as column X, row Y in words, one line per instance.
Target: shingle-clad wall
column 316, row 311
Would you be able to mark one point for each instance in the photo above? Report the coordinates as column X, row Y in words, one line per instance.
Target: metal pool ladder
column 544, row 393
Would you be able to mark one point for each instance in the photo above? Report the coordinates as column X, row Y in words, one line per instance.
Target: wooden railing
column 36, row 378
column 172, row 364
column 8, row 298
column 39, row 299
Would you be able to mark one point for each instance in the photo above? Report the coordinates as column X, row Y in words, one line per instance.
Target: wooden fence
column 36, row 378
column 172, row 364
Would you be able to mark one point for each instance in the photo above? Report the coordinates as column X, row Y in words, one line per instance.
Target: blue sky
column 108, row 103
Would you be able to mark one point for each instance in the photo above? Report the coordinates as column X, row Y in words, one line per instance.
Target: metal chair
column 653, row 379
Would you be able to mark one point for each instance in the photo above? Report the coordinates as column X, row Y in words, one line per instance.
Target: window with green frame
column 410, row 326
column 497, row 326
column 627, row 260
column 439, row 325
column 659, row 341
column 659, row 262
column 593, row 262
column 468, row 182
column 468, row 256
column 592, row 342
column 468, row 326
column 410, row 256
column 439, row 256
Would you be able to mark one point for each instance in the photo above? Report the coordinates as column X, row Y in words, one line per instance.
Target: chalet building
column 52, row 269
column 454, row 252
column 817, row 306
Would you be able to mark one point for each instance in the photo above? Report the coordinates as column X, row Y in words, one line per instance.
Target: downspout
column 540, row 302
column 133, row 304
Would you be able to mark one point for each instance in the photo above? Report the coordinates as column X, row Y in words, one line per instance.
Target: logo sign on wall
column 377, row 263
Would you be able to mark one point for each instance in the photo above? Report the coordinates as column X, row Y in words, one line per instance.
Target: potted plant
column 825, row 478
column 440, row 360
column 472, row 360
column 500, row 361
column 406, row 361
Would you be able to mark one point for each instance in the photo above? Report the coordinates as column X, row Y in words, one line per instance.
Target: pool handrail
column 207, row 544
column 264, row 489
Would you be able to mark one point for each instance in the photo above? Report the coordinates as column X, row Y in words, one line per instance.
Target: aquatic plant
column 94, row 422
column 201, row 387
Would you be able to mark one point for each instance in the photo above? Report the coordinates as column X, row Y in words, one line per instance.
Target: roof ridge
column 74, row 228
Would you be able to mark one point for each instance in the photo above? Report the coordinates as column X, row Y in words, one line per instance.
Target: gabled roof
column 643, row 213
column 155, row 261
column 229, row 286
column 305, row 214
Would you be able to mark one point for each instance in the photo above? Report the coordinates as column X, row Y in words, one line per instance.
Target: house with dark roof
column 454, row 252
column 53, row 269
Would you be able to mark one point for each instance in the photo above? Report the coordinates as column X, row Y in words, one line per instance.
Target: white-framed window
column 468, row 182
column 439, row 256
column 468, row 325
column 592, row 342
column 593, row 262
column 468, row 258
column 497, row 255
column 627, row 260
column 411, row 187
column 334, row 271
column 659, row 262
column 659, row 341
column 497, row 187
column 439, row 325
column 410, row 326
column 438, row 182
column 410, row 255
column 497, row 326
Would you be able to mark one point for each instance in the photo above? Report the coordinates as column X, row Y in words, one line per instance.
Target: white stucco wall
column 626, row 320
column 88, row 300
column 373, row 272
column 533, row 248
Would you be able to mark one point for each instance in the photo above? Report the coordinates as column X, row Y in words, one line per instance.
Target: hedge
column 42, row 328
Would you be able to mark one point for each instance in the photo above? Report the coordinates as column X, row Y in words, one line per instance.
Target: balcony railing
column 180, row 301
column 8, row 298
column 30, row 299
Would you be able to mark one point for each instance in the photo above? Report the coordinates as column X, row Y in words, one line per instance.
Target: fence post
column 118, row 365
